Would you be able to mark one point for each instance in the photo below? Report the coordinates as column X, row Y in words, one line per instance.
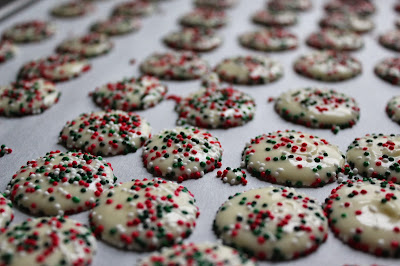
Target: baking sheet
column 32, row 136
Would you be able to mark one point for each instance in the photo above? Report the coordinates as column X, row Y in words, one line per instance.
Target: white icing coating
column 193, row 39
column 6, row 213
column 134, row 8
column 145, row 215
column 328, row 66
column 7, row 50
column 29, row 31
column 74, row 8
column 205, row 18
column 47, row 241
column 366, row 215
column 391, row 40
column 275, row 18
column 27, row 97
column 89, row 45
column 130, row 94
column 216, row 108
column 256, row 69
column 347, row 22
column 196, row 255
column 272, row 223
column 60, row 183
column 389, row 69
column 274, row 39
column 293, row 158
column 393, row 108
column 330, row 38
column 376, row 155
column 182, row 153
column 116, row 25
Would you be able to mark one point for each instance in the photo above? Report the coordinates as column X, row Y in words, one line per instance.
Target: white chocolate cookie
column 55, row 68
column 291, row 5
column 182, row 153
column 29, row 31
column 216, row 4
column 375, row 155
column 215, row 107
column 26, row 97
column 365, row 215
column 74, row 8
column 204, row 18
column 335, row 39
column 345, row 21
column 193, row 39
column 269, row 40
column 356, row 7
column 116, row 25
column 272, row 223
column 393, row 109
column 391, row 40
column 293, row 159
column 233, row 176
column 328, row 66
column 60, row 183
column 145, row 215
column 275, row 18
column 389, row 70
column 106, row 133
column 249, row 70
column 130, row 94
column 134, row 8
column 196, row 255
column 89, row 45
column 6, row 212
column 318, row 108
column 47, row 241
column 175, row 65
column 7, row 50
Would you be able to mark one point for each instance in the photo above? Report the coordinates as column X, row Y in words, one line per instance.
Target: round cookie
column 116, row 25
column 7, row 51
column 182, row 153
column 389, row 70
column 349, row 22
column 275, row 18
column 216, row 4
column 318, row 108
column 4, row 150
column 375, row 155
column 6, row 212
column 215, row 107
column 72, row 9
column 356, row 7
column 26, row 97
column 269, row 40
column 106, row 133
column 397, row 7
column 364, row 214
column 47, row 241
column 249, row 70
column 130, row 94
column 328, row 66
column 145, row 215
column 292, row 5
column 335, row 39
column 193, row 39
column 293, row 159
column 55, row 68
column 29, row 31
column 233, row 176
column 204, row 18
column 89, row 45
column 197, row 254
column 134, row 8
column 393, row 109
column 391, row 40
column 60, row 183
column 272, row 223
column 175, row 65
column 397, row 22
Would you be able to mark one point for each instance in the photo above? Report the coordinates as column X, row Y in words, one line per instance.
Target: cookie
column 389, row 70
column 130, row 94
column 216, row 4
column 27, row 97
column 393, row 109
column 89, row 45
column 364, row 215
column 182, row 153
column 292, row 5
column 269, row 40
column 106, row 133
column 397, row 7
column 328, row 65
column 293, row 159
column 204, row 18
column 116, row 25
column 134, row 8
column 55, row 68
column 275, row 18
column 29, row 31
column 349, row 22
column 47, row 241
column 272, row 223
column 60, row 183
column 233, row 176
column 318, row 108
column 7, row 51
column 175, row 65
column 193, row 39
column 4, row 150
column 197, row 254
column 391, row 40
column 375, row 155
column 215, row 107
column 335, row 39
column 145, row 215
column 71, row 9
column 356, row 7
column 249, row 70
column 397, row 22
column 6, row 212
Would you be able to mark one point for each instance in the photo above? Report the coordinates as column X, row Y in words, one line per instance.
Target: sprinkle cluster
column 389, row 70
column 393, row 109
column 7, row 50
column 233, row 176
column 275, row 18
column 116, row 25
column 4, row 150
column 134, row 8
column 346, row 21
column 29, row 31
column 216, row 4
column 356, row 7
column 90, row 45
column 391, row 40
column 274, row 39
column 204, row 18
column 292, row 5
column 6, row 212
column 72, row 9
